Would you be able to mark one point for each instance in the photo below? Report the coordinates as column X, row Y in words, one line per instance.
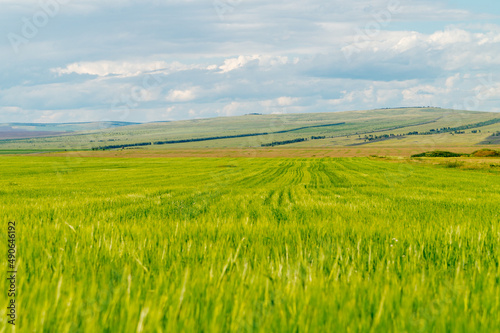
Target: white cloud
column 270, row 57
column 286, row 101
column 262, row 60
column 181, row 95
column 451, row 36
column 105, row 68
column 452, row 80
column 11, row 110
column 126, row 68
column 231, row 109
column 235, row 63
column 50, row 117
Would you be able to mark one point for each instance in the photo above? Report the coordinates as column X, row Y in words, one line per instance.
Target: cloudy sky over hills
column 131, row 60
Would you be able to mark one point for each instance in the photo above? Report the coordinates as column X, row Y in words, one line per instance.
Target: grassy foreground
column 266, row 245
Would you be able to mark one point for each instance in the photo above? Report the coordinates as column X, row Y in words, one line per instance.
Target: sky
column 157, row 60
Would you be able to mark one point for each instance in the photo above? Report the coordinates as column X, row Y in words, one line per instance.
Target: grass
column 357, row 124
column 252, row 245
column 453, row 164
column 26, row 151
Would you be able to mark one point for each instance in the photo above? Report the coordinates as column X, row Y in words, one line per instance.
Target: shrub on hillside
column 486, row 153
column 438, row 153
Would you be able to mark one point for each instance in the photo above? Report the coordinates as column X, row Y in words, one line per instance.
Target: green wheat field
column 252, row 245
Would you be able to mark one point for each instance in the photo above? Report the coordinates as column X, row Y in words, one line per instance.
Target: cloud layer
column 84, row 60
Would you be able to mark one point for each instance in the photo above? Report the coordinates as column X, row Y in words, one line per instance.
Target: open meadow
column 412, row 127
column 252, row 244
column 250, row 166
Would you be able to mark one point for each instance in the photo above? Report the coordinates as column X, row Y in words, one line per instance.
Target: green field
column 252, row 245
column 351, row 128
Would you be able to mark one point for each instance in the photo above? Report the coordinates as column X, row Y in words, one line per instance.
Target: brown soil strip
column 262, row 152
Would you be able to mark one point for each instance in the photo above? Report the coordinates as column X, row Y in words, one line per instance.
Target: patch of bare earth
column 261, row 152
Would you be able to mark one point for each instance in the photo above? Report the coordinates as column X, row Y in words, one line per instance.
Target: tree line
column 165, row 142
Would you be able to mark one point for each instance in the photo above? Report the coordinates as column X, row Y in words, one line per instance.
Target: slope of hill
column 396, row 127
column 34, row 130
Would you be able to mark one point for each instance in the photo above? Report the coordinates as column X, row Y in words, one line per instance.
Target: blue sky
column 150, row 60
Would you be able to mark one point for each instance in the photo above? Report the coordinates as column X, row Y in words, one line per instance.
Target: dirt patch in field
column 260, row 152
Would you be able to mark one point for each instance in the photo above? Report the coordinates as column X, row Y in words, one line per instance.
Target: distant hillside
column 38, row 130
column 382, row 127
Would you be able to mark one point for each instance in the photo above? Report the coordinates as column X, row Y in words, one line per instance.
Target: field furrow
column 224, row 244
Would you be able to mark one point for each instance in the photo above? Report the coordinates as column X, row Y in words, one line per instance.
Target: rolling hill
column 34, row 130
column 383, row 127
